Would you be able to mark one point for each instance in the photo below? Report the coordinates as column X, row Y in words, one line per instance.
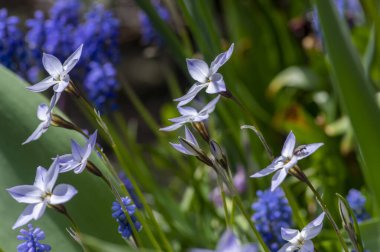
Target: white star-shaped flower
column 59, row 74
column 206, row 77
column 301, row 241
column 41, row 194
column 77, row 160
column 190, row 114
column 289, row 158
column 44, row 115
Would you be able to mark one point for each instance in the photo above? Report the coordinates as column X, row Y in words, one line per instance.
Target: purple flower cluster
column 125, row 228
column 272, row 212
column 60, row 33
column 13, row 51
column 32, row 238
column 148, row 33
column 356, row 200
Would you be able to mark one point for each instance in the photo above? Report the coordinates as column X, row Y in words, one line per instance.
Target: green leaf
column 370, row 232
column 356, row 93
column 297, row 77
column 91, row 207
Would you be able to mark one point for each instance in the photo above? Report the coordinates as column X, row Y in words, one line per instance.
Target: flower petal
column 42, row 85
column 290, row 142
column 181, row 149
column 228, row 242
column 39, row 179
column 42, row 112
column 190, row 137
column 190, row 95
column 288, row 233
column 52, row 65
column 29, row 213
column 266, row 171
column 61, row 85
column 29, row 194
column 172, row 127
column 288, row 247
column 54, row 100
column 216, row 85
column 71, row 61
column 221, row 59
column 308, row 246
column 313, row 228
column 51, row 175
column 187, row 111
column 198, row 69
column 277, row 178
column 303, row 151
column 76, row 150
column 210, row 107
column 36, row 133
column 62, row 193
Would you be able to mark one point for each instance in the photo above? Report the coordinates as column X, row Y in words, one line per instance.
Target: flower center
column 46, row 196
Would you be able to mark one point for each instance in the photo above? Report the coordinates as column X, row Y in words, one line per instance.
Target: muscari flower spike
column 288, row 159
column 356, row 200
column 44, row 115
column 125, row 228
column 78, row 159
column 272, row 212
column 41, row 194
column 206, row 77
column 190, row 114
column 230, row 243
column 301, row 241
column 59, row 74
column 32, row 237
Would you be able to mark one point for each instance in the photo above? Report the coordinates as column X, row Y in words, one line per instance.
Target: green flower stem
column 239, row 204
column 223, row 194
column 323, row 205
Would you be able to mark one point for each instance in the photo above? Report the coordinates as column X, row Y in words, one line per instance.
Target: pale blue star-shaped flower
column 59, row 74
column 79, row 156
column 44, row 115
column 41, row 194
column 230, row 243
column 206, row 77
column 184, row 148
column 190, row 114
column 288, row 159
column 301, row 241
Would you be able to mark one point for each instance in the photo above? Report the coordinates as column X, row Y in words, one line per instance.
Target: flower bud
column 201, row 128
column 218, row 154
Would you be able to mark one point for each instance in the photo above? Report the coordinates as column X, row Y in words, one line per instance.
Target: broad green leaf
column 370, row 232
column 356, row 93
column 297, row 77
column 91, row 207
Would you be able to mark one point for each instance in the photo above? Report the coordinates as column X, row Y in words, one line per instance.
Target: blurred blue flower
column 131, row 190
column 350, row 10
column 66, row 12
column 148, row 33
column 100, row 34
column 125, row 228
column 32, row 237
column 356, row 200
column 101, row 85
column 272, row 212
column 13, row 51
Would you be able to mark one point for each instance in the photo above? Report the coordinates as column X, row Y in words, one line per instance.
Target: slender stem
column 257, row 234
column 322, row 203
column 222, row 193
